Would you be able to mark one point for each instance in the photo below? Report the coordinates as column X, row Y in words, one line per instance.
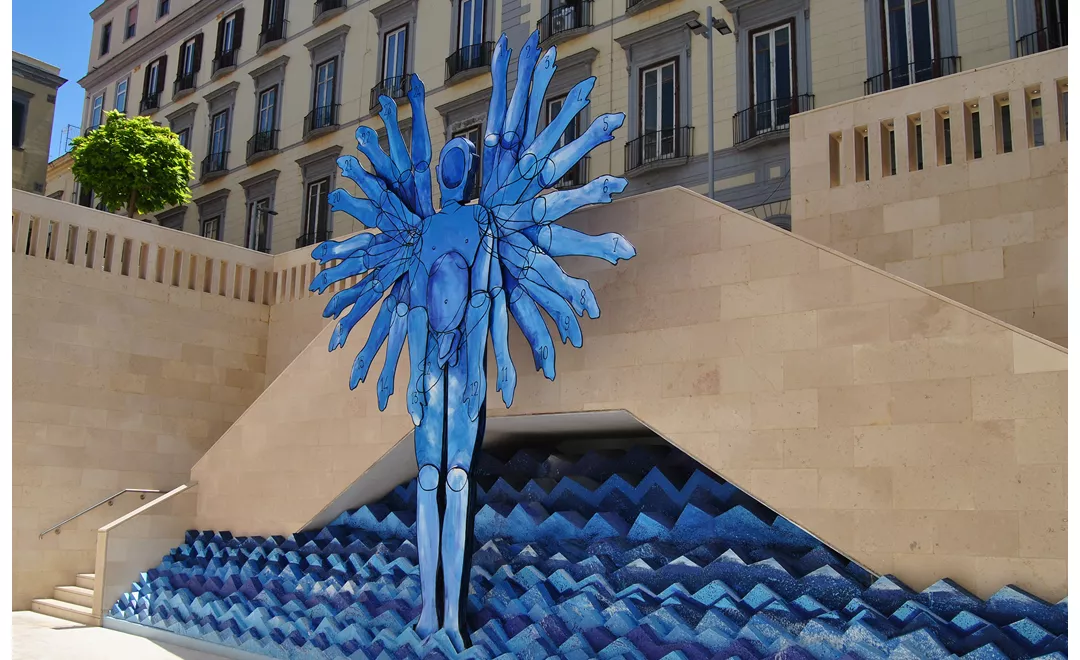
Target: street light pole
column 712, row 119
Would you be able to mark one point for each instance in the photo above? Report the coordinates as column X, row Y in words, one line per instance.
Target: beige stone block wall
column 118, row 380
column 916, row 435
column 988, row 232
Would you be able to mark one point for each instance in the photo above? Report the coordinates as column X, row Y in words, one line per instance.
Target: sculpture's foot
column 456, row 639
column 428, row 624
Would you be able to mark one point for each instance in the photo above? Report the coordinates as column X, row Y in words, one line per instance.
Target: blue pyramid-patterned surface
column 603, row 554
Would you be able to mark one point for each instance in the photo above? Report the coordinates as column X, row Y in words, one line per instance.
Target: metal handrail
column 108, row 500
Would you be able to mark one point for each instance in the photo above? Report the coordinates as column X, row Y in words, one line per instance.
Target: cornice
column 177, row 114
column 270, row 175
column 657, row 30
column 329, row 152
column 34, row 74
column 213, row 95
column 337, row 33
column 462, row 102
column 279, row 62
column 391, row 5
column 154, row 42
column 221, row 193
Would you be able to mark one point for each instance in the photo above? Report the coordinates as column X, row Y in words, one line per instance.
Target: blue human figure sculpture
column 447, row 280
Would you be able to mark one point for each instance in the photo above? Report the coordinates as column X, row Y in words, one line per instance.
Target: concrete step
column 61, row 610
column 75, row 595
column 85, row 580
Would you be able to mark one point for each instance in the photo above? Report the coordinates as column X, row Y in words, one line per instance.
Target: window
column 153, row 83
column 211, row 228
column 187, row 58
column 317, row 212
column 1035, row 119
column 915, row 143
column 473, row 134
column 324, row 83
column 773, row 76
column 862, row 154
column 132, row 20
column 273, row 22
column 228, row 34
column 575, row 175
column 230, row 30
column 267, row 110
column 259, row 214
column 888, row 149
column 120, row 103
column 96, row 110
column 18, row 122
column 973, row 130
column 659, row 111
column 185, row 137
column 1004, row 125
column 1063, row 110
column 219, row 133
column 910, row 41
column 394, row 44
column 471, row 20
column 836, row 143
column 162, row 8
column 106, row 36
column 943, row 123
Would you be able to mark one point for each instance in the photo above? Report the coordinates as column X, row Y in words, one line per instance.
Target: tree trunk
column 132, row 200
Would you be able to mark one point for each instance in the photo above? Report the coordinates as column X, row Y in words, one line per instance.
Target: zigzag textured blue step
column 605, row 554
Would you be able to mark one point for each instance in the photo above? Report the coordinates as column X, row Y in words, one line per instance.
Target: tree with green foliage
column 131, row 163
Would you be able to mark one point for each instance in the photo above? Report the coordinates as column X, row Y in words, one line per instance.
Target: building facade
column 33, row 90
column 267, row 93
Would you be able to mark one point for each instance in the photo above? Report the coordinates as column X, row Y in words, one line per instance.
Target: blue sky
column 57, row 32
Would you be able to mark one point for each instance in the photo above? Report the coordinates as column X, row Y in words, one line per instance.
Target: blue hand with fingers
column 445, row 281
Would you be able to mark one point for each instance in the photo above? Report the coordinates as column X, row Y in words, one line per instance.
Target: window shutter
column 161, row 77
column 180, row 61
column 266, row 15
column 238, row 28
column 146, row 80
column 198, row 51
column 220, row 38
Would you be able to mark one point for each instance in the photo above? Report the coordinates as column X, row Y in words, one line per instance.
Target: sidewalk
column 39, row 637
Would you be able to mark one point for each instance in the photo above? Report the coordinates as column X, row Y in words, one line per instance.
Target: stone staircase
column 71, row 602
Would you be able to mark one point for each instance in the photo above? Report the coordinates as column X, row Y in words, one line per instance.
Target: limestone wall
column 988, row 231
column 919, row 436
column 120, row 378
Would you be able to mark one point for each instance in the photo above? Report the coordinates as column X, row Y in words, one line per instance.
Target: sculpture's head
column 457, row 169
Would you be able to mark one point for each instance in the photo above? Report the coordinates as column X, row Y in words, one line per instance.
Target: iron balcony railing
column 225, row 60
column 768, row 117
column 566, row 18
column 914, row 72
column 152, row 101
column 323, row 116
column 395, row 88
column 312, row 237
column 465, row 58
column 659, row 146
column 1048, row 38
column 323, row 6
column 184, row 81
column 272, row 32
column 215, row 163
column 576, row 176
column 262, row 142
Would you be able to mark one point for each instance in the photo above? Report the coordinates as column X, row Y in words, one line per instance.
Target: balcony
column 396, row 88
column 908, row 74
column 224, row 62
column 272, row 35
column 565, row 22
column 261, row 145
column 634, row 7
column 312, row 237
column 768, row 119
column 184, row 84
column 321, row 120
column 215, row 165
column 469, row 61
column 575, row 177
column 327, row 9
column 150, row 102
column 1042, row 40
column 664, row 148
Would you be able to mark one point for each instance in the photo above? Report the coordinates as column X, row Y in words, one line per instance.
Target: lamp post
column 722, row 27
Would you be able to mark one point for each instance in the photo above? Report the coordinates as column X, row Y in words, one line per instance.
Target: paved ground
column 39, row 637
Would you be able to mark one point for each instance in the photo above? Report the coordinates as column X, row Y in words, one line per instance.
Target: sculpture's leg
column 428, row 440
column 462, row 440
